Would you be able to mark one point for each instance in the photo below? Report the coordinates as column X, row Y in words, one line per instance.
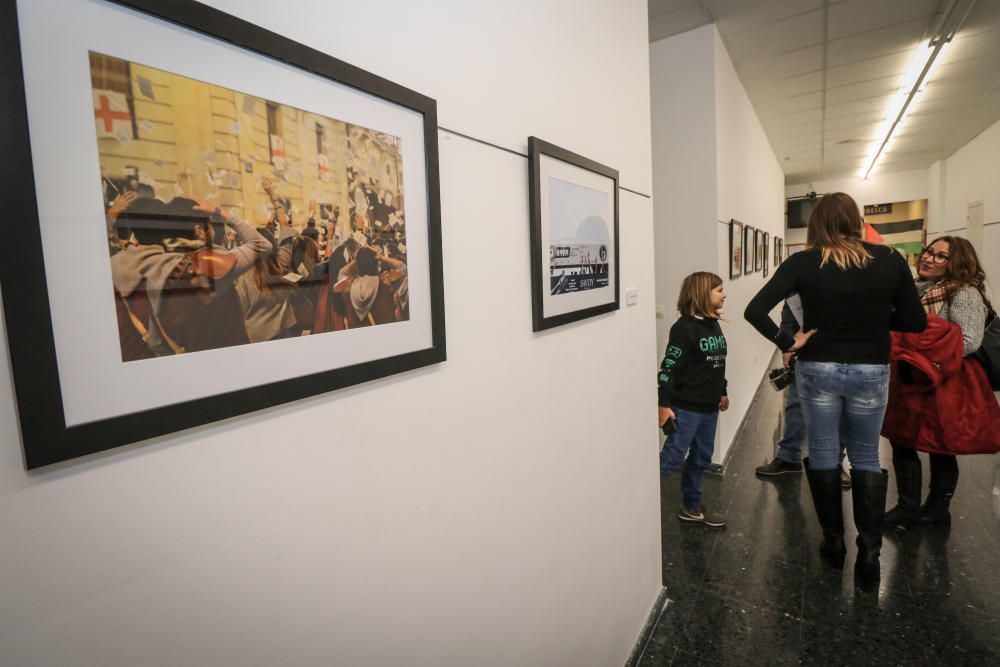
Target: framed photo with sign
column 735, row 249
column 574, row 236
column 212, row 220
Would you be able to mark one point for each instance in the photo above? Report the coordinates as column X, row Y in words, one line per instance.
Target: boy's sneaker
column 778, row 467
column 701, row 515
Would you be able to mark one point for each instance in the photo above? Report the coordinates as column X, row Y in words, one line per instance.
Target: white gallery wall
column 750, row 189
column 501, row 508
column 968, row 177
column 951, row 186
column 711, row 163
column 682, row 93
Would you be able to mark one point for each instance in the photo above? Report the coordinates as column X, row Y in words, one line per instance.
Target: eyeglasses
column 936, row 257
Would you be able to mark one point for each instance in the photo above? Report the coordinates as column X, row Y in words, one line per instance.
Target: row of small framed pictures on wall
column 135, row 317
column 749, row 250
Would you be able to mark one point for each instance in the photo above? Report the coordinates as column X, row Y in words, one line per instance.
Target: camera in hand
column 782, row 377
column 669, row 427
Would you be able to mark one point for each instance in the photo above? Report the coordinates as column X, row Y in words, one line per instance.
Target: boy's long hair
column 695, row 299
column 964, row 268
column 836, row 229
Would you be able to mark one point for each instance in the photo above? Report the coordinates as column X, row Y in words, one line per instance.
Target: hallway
column 756, row 592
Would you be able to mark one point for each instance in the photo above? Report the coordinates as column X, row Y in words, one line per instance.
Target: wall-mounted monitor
column 797, row 211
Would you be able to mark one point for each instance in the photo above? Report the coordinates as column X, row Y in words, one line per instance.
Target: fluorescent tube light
column 921, row 69
column 925, row 60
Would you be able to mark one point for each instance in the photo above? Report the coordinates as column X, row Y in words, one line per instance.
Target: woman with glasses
column 852, row 294
column 940, row 401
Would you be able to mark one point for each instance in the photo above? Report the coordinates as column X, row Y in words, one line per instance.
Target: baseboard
column 647, row 631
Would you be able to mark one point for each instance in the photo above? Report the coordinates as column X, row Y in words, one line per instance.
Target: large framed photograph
column 748, row 249
column 735, row 249
column 211, row 219
column 574, row 236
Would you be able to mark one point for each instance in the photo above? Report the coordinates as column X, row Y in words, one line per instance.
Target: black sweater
column 852, row 310
column 693, row 372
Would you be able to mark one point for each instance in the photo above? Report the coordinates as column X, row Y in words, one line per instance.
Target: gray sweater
column 966, row 309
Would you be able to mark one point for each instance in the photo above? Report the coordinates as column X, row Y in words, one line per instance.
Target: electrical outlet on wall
column 631, row 296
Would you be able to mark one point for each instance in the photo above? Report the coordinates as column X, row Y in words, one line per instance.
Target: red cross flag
column 278, row 152
column 111, row 114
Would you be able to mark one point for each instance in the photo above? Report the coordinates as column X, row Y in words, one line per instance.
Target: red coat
column 940, row 402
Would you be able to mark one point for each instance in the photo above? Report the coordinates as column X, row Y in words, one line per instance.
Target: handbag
column 988, row 353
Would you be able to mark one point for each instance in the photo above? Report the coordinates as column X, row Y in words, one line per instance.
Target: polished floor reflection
column 756, row 591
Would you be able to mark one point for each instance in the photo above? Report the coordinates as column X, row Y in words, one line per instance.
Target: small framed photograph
column 735, row 249
column 766, row 257
column 758, row 256
column 574, row 236
column 748, row 249
column 779, row 246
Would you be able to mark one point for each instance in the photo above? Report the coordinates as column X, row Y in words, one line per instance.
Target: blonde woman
column 853, row 293
column 692, row 391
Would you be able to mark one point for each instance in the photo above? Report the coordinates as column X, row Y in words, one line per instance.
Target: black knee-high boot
column 907, row 470
column 868, row 493
column 944, row 479
column 826, row 495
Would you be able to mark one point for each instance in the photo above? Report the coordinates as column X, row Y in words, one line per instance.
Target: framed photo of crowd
column 574, row 236
column 735, row 249
column 212, row 220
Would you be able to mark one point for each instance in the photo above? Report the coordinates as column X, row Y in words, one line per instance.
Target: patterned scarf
column 935, row 295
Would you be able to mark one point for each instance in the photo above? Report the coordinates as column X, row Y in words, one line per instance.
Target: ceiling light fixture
column 923, row 65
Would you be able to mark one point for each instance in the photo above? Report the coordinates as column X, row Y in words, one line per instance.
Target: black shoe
column 778, row 467
column 825, row 488
column 868, row 493
column 907, row 512
column 935, row 511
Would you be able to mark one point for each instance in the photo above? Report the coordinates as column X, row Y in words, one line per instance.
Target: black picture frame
column 735, row 249
column 748, row 249
column 46, row 438
column 758, row 250
column 765, row 262
column 542, row 275
column 778, row 250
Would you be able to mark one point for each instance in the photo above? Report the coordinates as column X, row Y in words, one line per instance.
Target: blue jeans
column 692, row 445
column 843, row 406
column 794, row 433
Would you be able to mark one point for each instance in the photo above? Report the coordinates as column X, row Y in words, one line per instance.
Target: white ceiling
column 820, row 74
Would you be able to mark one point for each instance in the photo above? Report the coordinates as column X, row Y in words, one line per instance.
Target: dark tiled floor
column 756, row 592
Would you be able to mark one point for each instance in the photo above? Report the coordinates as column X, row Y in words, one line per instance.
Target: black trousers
column 940, row 463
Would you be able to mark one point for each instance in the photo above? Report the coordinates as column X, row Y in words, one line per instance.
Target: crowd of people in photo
column 190, row 276
column 871, row 353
